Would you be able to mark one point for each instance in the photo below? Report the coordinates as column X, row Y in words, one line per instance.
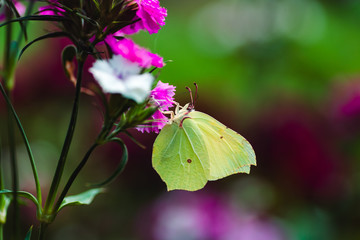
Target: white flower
column 118, row 75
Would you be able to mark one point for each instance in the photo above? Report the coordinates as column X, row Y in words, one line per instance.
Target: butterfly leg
column 169, row 112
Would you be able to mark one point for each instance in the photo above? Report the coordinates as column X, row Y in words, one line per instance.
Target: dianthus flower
column 18, row 5
column 161, row 96
column 50, row 10
column 150, row 16
column 119, row 76
column 134, row 53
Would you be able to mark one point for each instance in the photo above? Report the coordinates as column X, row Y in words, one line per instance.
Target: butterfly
column 194, row 148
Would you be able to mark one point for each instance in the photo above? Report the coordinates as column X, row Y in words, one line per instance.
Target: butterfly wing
column 229, row 152
column 180, row 157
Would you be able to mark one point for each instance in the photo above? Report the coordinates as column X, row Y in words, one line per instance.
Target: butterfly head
column 181, row 113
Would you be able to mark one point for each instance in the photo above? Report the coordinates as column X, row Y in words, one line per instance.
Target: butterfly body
column 195, row 148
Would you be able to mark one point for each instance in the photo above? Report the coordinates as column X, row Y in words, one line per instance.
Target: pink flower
column 19, row 7
column 51, row 9
column 150, row 16
column 134, row 53
column 163, row 97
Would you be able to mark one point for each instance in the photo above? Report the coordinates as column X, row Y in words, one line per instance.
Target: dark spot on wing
column 189, row 160
column 221, row 137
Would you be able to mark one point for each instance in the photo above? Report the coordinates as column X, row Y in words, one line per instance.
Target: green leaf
column 4, row 205
column 50, row 35
column 10, row 70
column 22, row 194
column 84, row 198
column 120, row 167
column 36, row 18
column 16, row 13
column 28, row 235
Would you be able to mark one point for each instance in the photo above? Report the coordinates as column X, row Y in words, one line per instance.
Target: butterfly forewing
column 180, row 157
column 229, row 152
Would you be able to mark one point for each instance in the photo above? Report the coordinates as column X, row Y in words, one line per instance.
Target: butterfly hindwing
column 180, row 157
column 229, row 152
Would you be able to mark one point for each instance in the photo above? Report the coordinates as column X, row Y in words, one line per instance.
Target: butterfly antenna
column 191, row 106
column 196, row 92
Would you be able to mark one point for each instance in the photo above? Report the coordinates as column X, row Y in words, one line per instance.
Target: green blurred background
column 283, row 73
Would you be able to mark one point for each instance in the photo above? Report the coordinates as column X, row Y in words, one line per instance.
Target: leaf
column 50, row 35
column 22, row 194
column 84, row 198
column 16, row 13
column 120, row 167
column 4, row 205
column 36, row 18
column 28, row 235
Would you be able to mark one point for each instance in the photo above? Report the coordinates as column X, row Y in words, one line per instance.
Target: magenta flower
column 151, row 16
column 163, row 97
column 134, row 53
column 51, row 9
column 19, row 7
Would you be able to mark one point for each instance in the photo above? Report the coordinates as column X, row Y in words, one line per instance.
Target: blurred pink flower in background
column 150, row 16
column 19, row 7
column 345, row 106
column 134, row 53
column 199, row 216
column 50, row 10
column 300, row 148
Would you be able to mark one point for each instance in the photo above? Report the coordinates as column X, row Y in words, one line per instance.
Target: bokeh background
column 283, row 73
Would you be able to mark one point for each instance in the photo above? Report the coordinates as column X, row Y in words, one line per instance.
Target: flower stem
column 8, row 80
column 1, row 231
column 27, row 145
column 68, row 139
column 14, row 173
column 2, row 197
column 74, row 175
column 43, row 227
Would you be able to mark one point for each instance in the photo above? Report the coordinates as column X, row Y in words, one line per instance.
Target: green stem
column 27, row 13
column 8, row 80
column 7, row 40
column 14, row 174
column 2, row 196
column 1, row 231
column 74, row 175
column 43, row 227
column 70, row 132
column 27, row 145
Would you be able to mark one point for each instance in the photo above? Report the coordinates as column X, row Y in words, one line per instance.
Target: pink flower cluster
column 149, row 16
column 163, row 97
